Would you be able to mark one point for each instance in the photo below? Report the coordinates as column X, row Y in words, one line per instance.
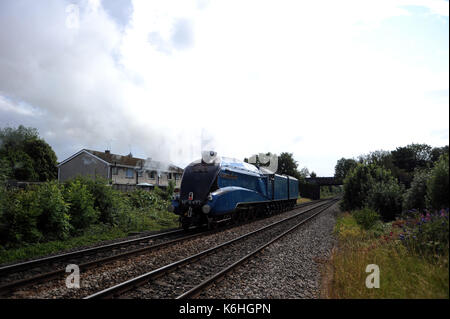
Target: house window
column 151, row 175
column 130, row 173
column 140, row 173
column 169, row 175
column 115, row 171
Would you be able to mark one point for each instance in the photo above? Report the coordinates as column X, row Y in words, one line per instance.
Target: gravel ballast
column 288, row 269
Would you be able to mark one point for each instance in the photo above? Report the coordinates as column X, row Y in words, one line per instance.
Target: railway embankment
column 405, row 258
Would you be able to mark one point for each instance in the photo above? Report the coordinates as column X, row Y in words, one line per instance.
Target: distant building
column 119, row 170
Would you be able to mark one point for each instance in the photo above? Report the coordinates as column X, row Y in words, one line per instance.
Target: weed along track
column 188, row 276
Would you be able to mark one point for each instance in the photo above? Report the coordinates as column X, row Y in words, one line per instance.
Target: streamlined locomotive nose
column 198, row 179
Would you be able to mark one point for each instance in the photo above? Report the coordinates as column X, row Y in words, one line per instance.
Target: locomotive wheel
column 235, row 217
column 185, row 224
column 211, row 223
column 251, row 213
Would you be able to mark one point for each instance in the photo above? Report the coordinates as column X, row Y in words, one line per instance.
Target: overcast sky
column 166, row 79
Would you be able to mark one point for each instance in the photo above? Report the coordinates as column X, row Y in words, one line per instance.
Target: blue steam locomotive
column 227, row 189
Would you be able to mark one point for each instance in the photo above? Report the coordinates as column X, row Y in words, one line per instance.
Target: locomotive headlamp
column 206, row 209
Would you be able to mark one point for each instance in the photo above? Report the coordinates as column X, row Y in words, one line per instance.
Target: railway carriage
column 228, row 189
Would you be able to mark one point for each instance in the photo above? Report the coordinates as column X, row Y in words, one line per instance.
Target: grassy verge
column 138, row 222
column 403, row 274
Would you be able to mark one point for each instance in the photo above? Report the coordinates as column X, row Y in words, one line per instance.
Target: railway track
column 196, row 272
column 27, row 273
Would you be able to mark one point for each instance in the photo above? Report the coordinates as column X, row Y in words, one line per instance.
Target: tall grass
column 403, row 273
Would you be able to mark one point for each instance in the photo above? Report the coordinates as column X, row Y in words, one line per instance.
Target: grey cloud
column 72, row 78
column 159, row 43
column 183, row 35
column 119, row 10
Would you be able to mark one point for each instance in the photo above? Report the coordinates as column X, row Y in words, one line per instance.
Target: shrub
column 360, row 181
column 356, row 186
column 167, row 193
column 366, row 217
column 144, row 199
column 386, row 199
column 82, row 212
column 106, row 199
column 53, row 218
column 415, row 196
column 18, row 217
column 438, row 184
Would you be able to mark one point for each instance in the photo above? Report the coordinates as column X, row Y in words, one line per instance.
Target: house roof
column 128, row 161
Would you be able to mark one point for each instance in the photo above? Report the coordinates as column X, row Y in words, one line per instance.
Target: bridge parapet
column 324, row 181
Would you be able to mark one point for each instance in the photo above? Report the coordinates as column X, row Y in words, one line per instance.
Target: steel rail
column 90, row 264
column 156, row 273
column 35, row 262
column 195, row 291
column 10, row 286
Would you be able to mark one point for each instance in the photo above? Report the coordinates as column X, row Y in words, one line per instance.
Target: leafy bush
column 366, row 217
column 82, row 212
column 414, row 197
column 427, row 233
column 386, row 199
column 18, row 217
column 356, row 186
column 359, row 183
column 438, row 184
column 167, row 193
column 106, row 199
column 53, row 220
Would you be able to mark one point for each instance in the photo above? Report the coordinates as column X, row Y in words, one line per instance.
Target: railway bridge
column 311, row 187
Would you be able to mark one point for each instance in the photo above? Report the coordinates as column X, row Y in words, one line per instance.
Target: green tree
column 44, row 159
column 385, row 197
column 287, row 165
column 412, row 156
column 357, row 185
column 438, row 184
column 360, row 181
column 5, row 171
column 436, row 153
column 343, row 167
column 415, row 196
column 29, row 157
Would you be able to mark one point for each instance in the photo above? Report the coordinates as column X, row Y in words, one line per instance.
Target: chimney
column 107, row 152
